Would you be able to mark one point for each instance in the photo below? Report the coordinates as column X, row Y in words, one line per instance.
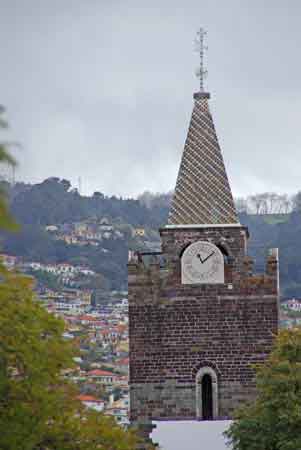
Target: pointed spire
column 202, row 194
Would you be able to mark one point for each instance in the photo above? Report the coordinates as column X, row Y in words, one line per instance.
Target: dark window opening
column 207, row 400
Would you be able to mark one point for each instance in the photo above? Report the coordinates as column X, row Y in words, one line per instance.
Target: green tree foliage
column 38, row 410
column 283, row 235
column 273, row 421
column 46, row 279
column 6, row 220
column 53, row 202
column 32, row 355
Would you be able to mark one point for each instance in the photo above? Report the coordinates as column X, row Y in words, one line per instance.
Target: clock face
column 202, row 262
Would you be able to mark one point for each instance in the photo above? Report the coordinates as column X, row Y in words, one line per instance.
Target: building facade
column 199, row 315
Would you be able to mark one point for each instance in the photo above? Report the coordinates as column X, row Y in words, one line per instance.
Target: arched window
column 206, row 394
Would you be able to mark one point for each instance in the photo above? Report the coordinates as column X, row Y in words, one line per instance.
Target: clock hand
column 209, row 256
column 200, row 258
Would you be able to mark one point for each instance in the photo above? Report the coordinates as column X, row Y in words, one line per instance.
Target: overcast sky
column 102, row 89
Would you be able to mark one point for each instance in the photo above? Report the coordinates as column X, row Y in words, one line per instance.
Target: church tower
column 199, row 317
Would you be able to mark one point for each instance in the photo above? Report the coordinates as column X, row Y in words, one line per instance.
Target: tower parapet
column 177, row 330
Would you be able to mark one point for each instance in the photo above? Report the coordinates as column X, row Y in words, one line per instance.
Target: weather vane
column 200, row 48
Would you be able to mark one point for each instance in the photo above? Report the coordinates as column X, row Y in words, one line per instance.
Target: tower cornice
column 201, row 95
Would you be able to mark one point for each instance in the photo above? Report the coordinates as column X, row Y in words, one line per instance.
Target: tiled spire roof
column 202, row 194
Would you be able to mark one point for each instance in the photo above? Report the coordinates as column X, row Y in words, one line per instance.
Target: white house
column 103, row 376
column 293, row 304
column 91, row 402
column 51, row 228
column 119, row 410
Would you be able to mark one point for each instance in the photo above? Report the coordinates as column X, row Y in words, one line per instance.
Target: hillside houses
column 92, row 402
column 102, row 376
column 65, row 274
column 95, row 232
column 292, row 305
column 290, row 313
column 102, row 370
column 88, row 232
column 66, row 302
column 122, row 365
column 9, row 261
column 63, row 269
column 119, row 410
column 99, row 331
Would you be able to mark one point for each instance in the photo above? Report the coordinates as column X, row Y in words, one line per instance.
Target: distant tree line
column 155, row 200
column 261, row 203
column 268, row 203
column 54, row 201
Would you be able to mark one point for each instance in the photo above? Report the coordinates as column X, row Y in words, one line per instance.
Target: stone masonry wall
column 176, row 329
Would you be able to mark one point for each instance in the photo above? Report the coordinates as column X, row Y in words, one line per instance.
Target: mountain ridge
column 54, row 202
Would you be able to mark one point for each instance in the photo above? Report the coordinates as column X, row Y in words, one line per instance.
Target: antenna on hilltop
column 201, row 73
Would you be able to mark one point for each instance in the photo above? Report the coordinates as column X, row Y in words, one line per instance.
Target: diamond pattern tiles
column 202, row 194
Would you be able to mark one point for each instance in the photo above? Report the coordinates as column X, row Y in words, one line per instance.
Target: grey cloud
column 103, row 89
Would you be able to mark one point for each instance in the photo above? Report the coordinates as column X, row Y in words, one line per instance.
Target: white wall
column 186, row 435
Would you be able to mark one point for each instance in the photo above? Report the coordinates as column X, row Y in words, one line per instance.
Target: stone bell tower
column 199, row 317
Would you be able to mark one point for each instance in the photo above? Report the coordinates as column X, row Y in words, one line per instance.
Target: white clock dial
column 202, row 262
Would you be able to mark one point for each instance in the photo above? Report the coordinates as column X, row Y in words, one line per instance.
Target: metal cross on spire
column 200, row 48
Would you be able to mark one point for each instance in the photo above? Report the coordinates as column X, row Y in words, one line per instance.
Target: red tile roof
column 88, row 318
column 89, row 398
column 123, row 361
column 101, row 373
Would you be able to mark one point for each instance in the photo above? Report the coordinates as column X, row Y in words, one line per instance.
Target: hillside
column 283, row 232
column 54, row 203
